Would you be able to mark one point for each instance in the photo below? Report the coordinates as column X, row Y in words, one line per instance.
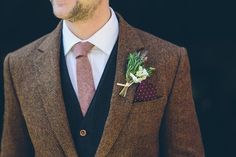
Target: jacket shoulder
column 160, row 49
column 27, row 49
column 23, row 56
column 153, row 42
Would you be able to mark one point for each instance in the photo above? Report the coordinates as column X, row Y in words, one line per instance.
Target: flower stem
column 125, row 89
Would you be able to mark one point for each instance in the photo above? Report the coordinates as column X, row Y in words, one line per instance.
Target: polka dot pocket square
column 145, row 92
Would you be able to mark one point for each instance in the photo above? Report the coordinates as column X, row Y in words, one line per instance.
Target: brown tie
column 85, row 83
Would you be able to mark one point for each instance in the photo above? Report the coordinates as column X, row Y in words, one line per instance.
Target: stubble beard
column 82, row 12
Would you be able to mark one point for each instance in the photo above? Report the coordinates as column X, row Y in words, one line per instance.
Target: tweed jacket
column 35, row 120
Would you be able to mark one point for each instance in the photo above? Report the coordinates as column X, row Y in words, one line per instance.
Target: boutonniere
column 136, row 71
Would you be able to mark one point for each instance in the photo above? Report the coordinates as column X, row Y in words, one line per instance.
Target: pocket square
column 145, row 92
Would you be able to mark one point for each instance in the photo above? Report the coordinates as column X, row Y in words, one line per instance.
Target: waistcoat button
column 83, row 132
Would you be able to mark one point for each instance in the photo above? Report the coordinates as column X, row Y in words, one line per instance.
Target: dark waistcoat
column 87, row 131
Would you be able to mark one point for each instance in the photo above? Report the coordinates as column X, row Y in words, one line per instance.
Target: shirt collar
column 104, row 39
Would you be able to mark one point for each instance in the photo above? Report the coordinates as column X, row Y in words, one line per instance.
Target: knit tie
column 85, row 83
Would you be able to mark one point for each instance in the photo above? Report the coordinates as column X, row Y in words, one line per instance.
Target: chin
column 61, row 14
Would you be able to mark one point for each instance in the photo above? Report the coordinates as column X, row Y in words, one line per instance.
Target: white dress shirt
column 103, row 40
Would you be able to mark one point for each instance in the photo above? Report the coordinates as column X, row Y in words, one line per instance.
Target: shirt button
column 83, row 133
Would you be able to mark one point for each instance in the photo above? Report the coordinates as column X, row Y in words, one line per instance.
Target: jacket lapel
column 120, row 107
column 48, row 76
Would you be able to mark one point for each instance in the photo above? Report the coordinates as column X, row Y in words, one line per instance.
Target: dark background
column 206, row 28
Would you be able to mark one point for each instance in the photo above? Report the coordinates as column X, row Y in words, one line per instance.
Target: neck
column 85, row 29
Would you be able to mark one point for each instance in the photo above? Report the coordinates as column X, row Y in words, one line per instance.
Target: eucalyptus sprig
column 135, row 72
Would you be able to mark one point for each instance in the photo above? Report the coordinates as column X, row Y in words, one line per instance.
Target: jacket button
column 83, row 133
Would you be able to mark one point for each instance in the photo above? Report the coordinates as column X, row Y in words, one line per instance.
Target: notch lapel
column 48, row 75
column 120, row 107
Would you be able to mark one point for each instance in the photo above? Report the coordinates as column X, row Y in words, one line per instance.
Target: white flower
column 145, row 73
column 134, row 78
column 142, row 78
column 140, row 75
column 141, row 72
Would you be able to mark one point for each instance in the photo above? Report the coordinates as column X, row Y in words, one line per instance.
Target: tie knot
column 82, row 48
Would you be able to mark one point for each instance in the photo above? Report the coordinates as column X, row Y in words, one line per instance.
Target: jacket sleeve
column 180, row 133
column 15, row 138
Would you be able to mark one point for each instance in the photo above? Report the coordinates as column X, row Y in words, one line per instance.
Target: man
column 62, row 97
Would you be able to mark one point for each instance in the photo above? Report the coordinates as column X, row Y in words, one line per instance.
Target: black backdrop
column 205, row 28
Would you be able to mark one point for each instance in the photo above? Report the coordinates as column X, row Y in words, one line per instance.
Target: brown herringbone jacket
column 35, row 120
